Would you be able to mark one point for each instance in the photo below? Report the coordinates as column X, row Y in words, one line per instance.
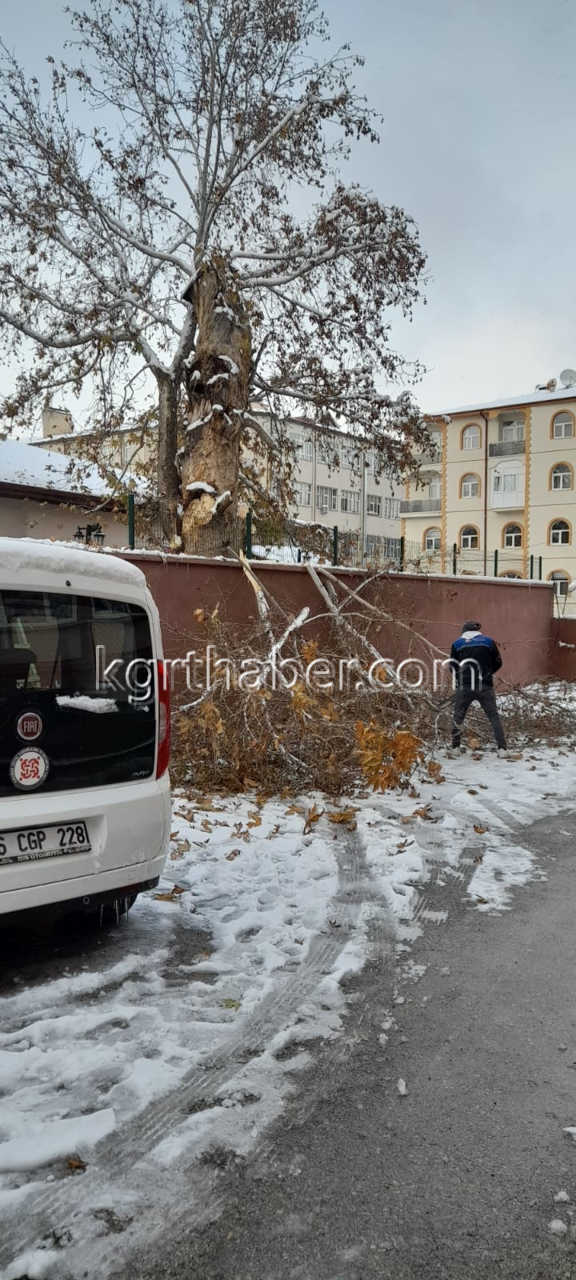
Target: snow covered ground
column 171, row 1046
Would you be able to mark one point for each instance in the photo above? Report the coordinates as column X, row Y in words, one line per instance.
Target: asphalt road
column 457, row 1178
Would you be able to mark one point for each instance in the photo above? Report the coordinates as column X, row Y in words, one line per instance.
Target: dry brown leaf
column 76, row 1164
column 480, row 831
column 313, row 816
column 181, row 847
column 232, row 855
column 434, row 771
column 206, row 825
column 172, row 896
column 479, row 857
column 274, row 831
column 344, row 817
column 255, row 819
column 472, row 792
column 293, row 808
column 482, row 900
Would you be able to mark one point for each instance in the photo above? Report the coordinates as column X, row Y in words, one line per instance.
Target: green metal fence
column 286, row 541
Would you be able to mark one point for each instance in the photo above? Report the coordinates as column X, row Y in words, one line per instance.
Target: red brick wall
column 563, row 660
column 518, row 614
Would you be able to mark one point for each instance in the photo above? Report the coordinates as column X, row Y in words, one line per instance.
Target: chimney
column 56, row 422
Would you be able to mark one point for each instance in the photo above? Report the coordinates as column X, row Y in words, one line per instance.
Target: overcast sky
column 479, row 100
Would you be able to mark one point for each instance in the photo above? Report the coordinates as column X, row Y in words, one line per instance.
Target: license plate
column 28, row 844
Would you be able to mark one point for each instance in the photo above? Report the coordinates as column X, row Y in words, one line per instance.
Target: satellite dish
column 568, row 377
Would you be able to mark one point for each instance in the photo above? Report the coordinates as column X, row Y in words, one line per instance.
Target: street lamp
column 90, row 533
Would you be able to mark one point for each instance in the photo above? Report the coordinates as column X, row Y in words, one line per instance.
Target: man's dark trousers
column 463, row 699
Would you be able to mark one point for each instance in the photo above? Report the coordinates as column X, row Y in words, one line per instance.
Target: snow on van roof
column 26, row 555
column 22, row 464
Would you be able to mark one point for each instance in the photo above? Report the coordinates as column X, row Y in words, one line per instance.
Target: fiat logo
column 29, row 768
column 29, row 725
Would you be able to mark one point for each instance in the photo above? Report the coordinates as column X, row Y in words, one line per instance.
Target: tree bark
column 218, row 381
column 168, row 478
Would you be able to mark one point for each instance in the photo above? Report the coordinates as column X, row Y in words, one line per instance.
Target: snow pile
column 287, row 554
column 52, row 1141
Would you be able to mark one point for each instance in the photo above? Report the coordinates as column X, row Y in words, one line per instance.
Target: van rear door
column 62, row 726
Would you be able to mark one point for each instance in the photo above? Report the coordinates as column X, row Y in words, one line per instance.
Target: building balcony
column 421, row 507
column 507, row 501
column 506, row 448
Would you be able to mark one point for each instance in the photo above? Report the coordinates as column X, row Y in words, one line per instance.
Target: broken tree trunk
column 218, row 379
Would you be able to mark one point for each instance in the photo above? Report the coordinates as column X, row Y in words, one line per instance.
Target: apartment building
column 495, row 495
column 337, row 481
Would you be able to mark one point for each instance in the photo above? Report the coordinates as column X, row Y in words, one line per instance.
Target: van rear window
column 54, row 697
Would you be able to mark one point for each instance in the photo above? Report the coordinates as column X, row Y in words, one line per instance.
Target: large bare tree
column 176, row 236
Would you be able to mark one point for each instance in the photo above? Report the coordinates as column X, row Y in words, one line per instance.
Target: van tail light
column 163, row 753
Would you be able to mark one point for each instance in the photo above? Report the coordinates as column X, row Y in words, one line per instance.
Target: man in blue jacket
column 475, row 657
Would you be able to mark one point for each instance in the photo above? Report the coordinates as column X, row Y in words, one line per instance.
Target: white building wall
column 26, row 518
column 344, row 490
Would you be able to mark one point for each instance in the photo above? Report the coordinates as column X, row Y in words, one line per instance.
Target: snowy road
column 137, row 1064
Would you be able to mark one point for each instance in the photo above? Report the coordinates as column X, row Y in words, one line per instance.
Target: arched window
column 559, row 533
column 469, row 540
column 562, row 476
column 434, row 487
column 432, row 541
column 470, row 486
column 561, row 581
column 513, row 535
column 562, row 426
column 471, row 437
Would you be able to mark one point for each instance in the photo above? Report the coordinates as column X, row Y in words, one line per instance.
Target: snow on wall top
column 33, row 555
column 44, row 469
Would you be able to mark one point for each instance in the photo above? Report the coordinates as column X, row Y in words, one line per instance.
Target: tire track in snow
column 119, row 1162
column 113, row 1161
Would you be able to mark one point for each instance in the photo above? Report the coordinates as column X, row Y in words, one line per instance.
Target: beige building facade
column 497, row 496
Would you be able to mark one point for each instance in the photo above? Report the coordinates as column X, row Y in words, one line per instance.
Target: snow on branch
column 199, row 486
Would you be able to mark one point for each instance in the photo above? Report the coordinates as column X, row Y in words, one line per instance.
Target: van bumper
column 93, row 889
column 129, row 828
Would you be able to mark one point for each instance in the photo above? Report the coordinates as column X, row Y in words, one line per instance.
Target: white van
column 84, row 730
